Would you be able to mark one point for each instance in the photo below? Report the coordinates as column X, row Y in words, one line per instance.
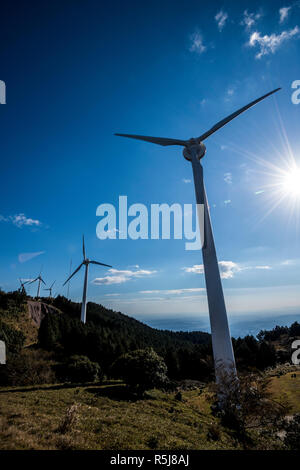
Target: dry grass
column 288, row 388
column 104, row 418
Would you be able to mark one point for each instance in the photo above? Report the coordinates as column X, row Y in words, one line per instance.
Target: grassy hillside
column 104, row 417
column 41, row 406
column 288, row 386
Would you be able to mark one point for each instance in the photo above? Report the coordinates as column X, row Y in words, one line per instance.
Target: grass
column 288, row 388
column 103, row 417
column 97, row 417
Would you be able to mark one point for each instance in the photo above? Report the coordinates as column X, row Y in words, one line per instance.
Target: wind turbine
column 193, row 151
column 50, row 289
column 22, row 288
column 85, row 262
column 39, row 279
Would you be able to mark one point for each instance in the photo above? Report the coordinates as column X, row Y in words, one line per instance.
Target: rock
column 38, row 310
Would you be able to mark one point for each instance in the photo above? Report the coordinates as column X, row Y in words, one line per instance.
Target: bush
column 247, row 404
column 14, row 339
column 292, row 436
column 80, row 369
column 142, row 370
column 30, row 367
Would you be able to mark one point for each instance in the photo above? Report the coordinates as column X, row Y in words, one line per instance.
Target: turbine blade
column 83, row 247
column 43, row 281
column 52, row 285
column 76, row 270
column 30, row 282
column 101, row 264
column 155, row 140
column 229, row 118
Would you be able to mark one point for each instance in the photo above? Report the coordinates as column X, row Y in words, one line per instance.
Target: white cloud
column 20, row 220
column 173, row 291
column 227, row 269
column 23, row 257
column 221, row 19
column 250, row 19
column 197, row 43
column 116, row 276
column 268, row 44
column 228, row 178
column 186, row 180
column 284, row 13
column 288, row 262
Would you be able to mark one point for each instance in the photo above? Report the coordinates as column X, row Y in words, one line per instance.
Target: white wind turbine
column 193, row 151
column 85, row 262
column 50, row 289
column 39, row 279
column 22, row 286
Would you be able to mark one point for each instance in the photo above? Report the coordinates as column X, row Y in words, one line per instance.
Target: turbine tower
column 39, row 279
column 193, row 151
column 50, row 289
column 85, row 262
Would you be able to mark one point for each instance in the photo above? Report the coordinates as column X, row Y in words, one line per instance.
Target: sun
column 290, row 184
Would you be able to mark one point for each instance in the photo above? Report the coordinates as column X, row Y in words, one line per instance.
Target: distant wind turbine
column 50, row 289
column 85, row 262
column 22, row 288
column 39, row 279
column 193, row 151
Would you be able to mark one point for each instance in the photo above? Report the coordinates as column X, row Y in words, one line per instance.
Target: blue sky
column 76, row 72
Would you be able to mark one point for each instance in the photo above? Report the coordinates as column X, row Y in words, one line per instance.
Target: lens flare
column 291, row 182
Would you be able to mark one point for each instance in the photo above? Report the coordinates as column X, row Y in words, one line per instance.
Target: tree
column 142, row 370
column 248, row 404
column 80, row 369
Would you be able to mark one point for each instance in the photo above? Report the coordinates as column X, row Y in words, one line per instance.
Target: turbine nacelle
column 196, row 147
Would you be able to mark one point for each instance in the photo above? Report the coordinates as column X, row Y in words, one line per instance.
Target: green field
column 105, row 417
column 31, row 418
column 288, row 388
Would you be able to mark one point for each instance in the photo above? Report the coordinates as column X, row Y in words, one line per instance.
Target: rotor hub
column 194, row 147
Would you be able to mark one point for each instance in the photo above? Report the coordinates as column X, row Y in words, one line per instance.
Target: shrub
column 69, row 420
column 14, row 339
column 80, row 369
column 292, row 436
column 142, row 370
column 30, row 367
column 247, row 404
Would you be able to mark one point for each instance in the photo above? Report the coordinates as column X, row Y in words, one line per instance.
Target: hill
column 54, row 327
column 42, row 406
column 99, row 417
